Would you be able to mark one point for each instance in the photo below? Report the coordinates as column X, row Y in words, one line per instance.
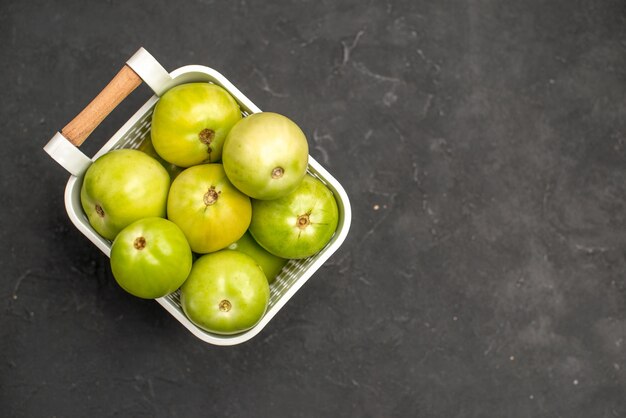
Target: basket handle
column 124, row 82
column 63, row 146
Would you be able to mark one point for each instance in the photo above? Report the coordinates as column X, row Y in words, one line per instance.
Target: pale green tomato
column 298, row 225
column 150, row 258
column 225, row 293
column 191, row 121
column 266, row 155
column 121, row 187
column 211, row 212
column 270, row 264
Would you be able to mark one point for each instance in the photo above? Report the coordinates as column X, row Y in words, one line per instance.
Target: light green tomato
column 191, row 121
column 266, row 155
column 270, row 264
column 211, row 212
column 121, row 187
column 225, row 293
column 298, row 225
column 150, row 258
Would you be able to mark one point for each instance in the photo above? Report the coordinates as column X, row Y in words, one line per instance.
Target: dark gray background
column 490, row 282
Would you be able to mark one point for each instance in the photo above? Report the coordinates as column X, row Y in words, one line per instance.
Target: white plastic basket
column 134, row 132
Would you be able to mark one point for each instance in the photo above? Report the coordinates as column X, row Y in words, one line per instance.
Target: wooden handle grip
column 117, row 90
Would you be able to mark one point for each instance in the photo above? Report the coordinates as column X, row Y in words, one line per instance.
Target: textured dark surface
column 482, row 143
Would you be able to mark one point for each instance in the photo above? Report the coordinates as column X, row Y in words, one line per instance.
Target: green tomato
column 150, row 258
column 270, row 264
column 226, row 292
column 147, row 147
column 211, row 212
column 266, row 156
column 191, row 121
column 121, row 187
column 298, row 225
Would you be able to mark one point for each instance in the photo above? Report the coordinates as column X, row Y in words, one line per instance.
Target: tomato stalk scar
column 303, row 221
column 225, row 305
column 210, row 197
column 206, row 136
column 140, row 243
column 278, row 172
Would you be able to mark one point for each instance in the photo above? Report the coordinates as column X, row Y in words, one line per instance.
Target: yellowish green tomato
column 298, row 225
column 270, row 264
column 150, row 258
column 266, row 155
column 121, row 187
column 211, row 212
column 225, row 293
column 190, row 123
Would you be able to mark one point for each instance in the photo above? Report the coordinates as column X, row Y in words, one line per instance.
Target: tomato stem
column 225, row 305
column 210, row 197
column 278, row 172
column 206, row 136
column 140, row 243
column 303, row 221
